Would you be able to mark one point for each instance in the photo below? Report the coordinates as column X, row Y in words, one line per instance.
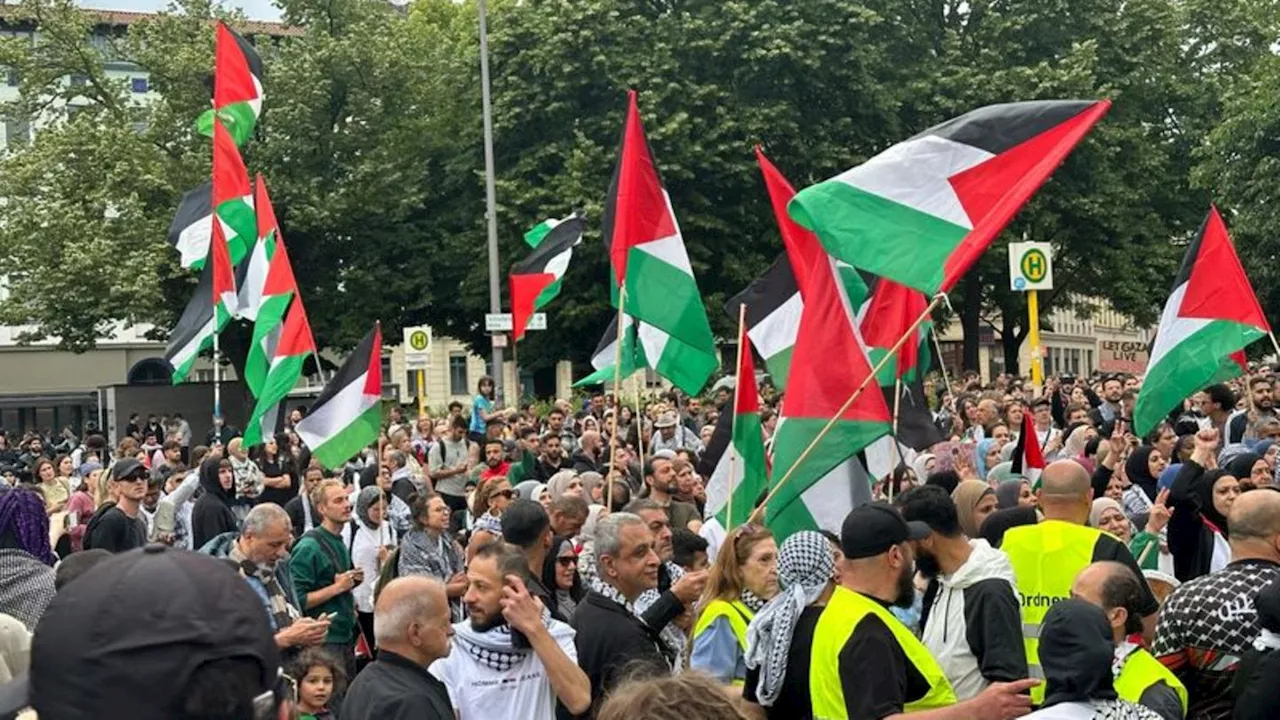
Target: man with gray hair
column 412, row 629
column 260, row 553
column 611, row 638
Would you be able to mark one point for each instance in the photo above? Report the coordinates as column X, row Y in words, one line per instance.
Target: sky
column 253, row 9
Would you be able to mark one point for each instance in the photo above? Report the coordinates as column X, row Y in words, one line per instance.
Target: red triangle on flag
column 802, row 245
column 638, row 211
column 232, row 78
column 224, row 277
column 230, row 178
column 524, row 296
column 746, row 395
column 373, row 377
column 891, row 312
column 1028, row 459
column 295, row 333
column 266, row 214
column 1218, row 288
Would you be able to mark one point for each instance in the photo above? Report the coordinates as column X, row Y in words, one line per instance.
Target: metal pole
column 1033, row 335
column 490, row 192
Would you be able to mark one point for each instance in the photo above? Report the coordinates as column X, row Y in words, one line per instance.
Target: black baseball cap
column 872, row 529
column 128, row 468
column 128, row 636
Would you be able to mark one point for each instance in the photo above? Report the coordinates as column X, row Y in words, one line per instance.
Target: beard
column 487, row 623
column 906, row 589
column 928, row 565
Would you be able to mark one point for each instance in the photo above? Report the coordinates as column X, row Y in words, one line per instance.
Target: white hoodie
column 973, row 626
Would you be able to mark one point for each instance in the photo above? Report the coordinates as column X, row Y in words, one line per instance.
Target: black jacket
column 111, row 530
column 1190, row 539
column 583, row 462
column 297, row 515
column 212, row 514
column 396, row 688
column 612, row 644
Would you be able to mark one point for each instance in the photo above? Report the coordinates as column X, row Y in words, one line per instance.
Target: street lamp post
column 491, row 201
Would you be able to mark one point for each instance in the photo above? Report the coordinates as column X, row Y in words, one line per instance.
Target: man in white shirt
column 510, row 658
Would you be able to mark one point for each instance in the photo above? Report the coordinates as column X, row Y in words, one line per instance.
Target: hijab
column 209, row 479
column 967, row 495
column 1230, row 453
column 367, row 498
column 529, row 490
column 1100, row 506
column 980, row 456
column 1203, row 490
column 1138, row 470
column 560, row 482
column 1000, row 521
column 590, row 481
column 921, row 464
column 1007, row 493
column 1003, row 473
column 1076, row 649
column 1077, row 439
column 1241, row 466
column 1167, row 475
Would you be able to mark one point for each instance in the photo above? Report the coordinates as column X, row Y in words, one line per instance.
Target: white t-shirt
column 481, row 693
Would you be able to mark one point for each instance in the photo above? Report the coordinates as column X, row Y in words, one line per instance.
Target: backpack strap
column 314, row 534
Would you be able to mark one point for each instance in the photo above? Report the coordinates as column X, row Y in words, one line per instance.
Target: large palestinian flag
column 1211, row 314
column 921, row 212
column 606, row 355
column 828, row 365
column 773, row 317
column 348, row 414
column 535, row 281
column 232, row 196
column 647, row 253
column 251, row 275
column 739, row 471
column 291, row 351
column 192, row 226
column 237, row 86
column 277, row 290
column 225, row 302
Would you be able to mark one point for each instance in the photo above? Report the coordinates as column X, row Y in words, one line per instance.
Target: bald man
column 1049, row 555
column 412, row 629
column 1140, row 678
column 1210, row 622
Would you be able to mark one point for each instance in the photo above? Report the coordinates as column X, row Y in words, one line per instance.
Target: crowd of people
column 551, row 561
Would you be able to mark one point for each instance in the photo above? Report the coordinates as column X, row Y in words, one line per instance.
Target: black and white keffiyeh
column 493, row 648
column 1122, row 710
column 672, row 638
column 805, row 568
column 753, row 601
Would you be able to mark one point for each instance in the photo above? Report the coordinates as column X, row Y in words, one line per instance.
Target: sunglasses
column 567, row 561
column 508, row 494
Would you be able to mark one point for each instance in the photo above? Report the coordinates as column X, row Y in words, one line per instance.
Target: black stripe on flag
column 561, row 237
column 997, row 128
column 195, row 317
column 916, row 428
column 719, row 443
column 352, row 371
column 765, row 294
column 195, row 205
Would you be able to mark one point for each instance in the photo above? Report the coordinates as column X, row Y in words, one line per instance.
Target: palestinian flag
column 816, row 390
column 645, row 346
column 915, row 426
column 194, row 332
column 648, row 255
column 605, row 355
column 232, row 196
column 773, row 316
column 225, row 302
column 251, row 275
column 348, row 414
column 921, row 212
column 295, row 344
column 738, row 459
column 1028, row 460
column 192, row 226
column 535, row 281
column 276, row 292
column 237, row 86
column 1211, row 314
column 884, row 318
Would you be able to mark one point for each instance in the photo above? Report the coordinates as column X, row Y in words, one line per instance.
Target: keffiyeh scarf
column 1122, row 710
column 805, row 567
column 609, row 591
column 671, row 635
column 421, row 554
column 282, row 613
column 494, row 648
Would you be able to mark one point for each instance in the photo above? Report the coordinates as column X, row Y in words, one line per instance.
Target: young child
column 318, row 675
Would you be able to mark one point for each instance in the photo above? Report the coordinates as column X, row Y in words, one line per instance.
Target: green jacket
column 524, row 470
column 312, row 568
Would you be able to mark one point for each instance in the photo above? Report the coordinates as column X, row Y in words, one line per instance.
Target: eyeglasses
column 508, row 494
column 567, row 561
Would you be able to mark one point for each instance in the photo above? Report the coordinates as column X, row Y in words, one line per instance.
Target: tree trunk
column 1011, row 342
column 970, row 317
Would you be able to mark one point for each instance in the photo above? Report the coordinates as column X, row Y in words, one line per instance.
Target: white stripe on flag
column 326, row 421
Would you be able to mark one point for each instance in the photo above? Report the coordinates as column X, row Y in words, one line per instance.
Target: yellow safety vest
column 1142, row 670
column 1046, row 558
column 738, row 615
column 835, row 626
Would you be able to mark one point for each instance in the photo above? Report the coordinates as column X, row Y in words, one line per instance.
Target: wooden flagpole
column 637, row 417
column 617, row 395
column 895, row 452
column 847, row 404
column 733, row 421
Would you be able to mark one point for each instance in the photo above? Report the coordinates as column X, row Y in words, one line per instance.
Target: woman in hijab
column 1001, row 521
column 586, row 542
column 986, row 456
column 26, row 558
column 1268, row 450
column 560, row 575
column 1201, row 500
column 1249, row 467
column 1014, row 492
column 565, row 482
column 777, row 667
column 1108, row 515
column 974, row 500
column 592, row 487
column 1143, row 469
column 1076, row 649
column 212, row 513
column 530, row 490
column 369, row 538
column 924, row 464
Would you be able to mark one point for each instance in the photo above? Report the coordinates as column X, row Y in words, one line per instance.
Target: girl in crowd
column 428, row 550
column 482, row 409
column 369, row 538
column 212, row 513
column 82, row 504
column 565, row 482
column 560, row 575
column 491, row 499
column 55, row 490
column 743, row 579
column 1142, row 469
column 974, row 500
column 318, row 676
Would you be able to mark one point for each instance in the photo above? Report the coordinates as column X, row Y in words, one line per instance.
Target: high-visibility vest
column 835, row 626
column 1142, row 670
column 738, row 615
column 1046, row 558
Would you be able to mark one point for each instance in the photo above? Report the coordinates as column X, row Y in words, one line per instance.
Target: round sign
column 418, row 340
column 1035, row 266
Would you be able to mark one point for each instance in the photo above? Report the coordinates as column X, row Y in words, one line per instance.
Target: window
column 17, row 131
column 139, row 85
column 411, row 382
column 458, row 375
column 1088, row 361
column 12, row 78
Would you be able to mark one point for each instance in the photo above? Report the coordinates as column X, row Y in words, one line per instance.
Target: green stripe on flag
column 1193, row 364
column 242, row 224
column 748, row 444
column 666, row 297
column 351, row 440
column 258, row 362
column 534, row 236
column 845, row 439
column 283, row 377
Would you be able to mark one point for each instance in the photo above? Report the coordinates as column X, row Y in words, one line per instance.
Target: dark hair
column 318, row 657
column 460, row 422
column 24, row 524
column 527, row 431
column 1259, row 380
column 945, row 479
column 456, row 404
column 508, row 557
column 686, row 543
column 495, row 441
column 576, row 590
column 222, row 689
column 1041, row 402
column 418, row 504
column 1123, row 589
column 650, row 464
column 1222, row 395
column 932, row 506
column 171, row 445
column 552, row 436
column 493, row 388
column 570, row 506
column 621, row 495
column 77, row 564
column 524, row 522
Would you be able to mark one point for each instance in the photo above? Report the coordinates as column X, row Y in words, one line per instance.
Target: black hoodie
column 212, row 514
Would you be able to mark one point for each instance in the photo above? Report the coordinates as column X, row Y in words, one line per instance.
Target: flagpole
column 217, row 374
column 737, row 388
column 896, row 452
column 1274, row 344
column 871, row 376
column 942, row 365
column 635, row 417
column 617, row 396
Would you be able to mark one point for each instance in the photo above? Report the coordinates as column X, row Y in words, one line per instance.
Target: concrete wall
column 38, row 370
column 193, row 400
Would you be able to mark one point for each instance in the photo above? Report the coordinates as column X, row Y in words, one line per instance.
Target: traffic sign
column 417, row 347
column 1030, row 266
column 502, row 322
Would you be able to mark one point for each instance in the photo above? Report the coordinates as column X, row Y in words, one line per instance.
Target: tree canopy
column 371, row 144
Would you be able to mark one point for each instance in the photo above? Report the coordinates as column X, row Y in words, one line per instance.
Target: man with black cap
column 120, row 526
column 867, row 664
column 200, row 649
